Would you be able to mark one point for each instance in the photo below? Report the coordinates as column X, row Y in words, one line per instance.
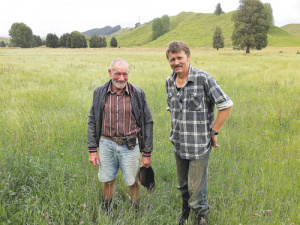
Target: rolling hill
column 292, row 28
column 197, row 29
column 102, row 31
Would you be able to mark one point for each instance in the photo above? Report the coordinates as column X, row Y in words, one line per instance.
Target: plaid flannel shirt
column 192, row 109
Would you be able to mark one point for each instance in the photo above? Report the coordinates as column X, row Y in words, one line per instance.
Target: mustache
column 177, row 66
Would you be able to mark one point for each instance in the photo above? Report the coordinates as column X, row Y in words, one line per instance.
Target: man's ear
column 109, row 72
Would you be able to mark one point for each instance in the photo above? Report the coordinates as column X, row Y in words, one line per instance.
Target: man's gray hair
column 114, row 62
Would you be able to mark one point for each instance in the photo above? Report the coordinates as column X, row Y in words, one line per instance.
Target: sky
column 65, row 16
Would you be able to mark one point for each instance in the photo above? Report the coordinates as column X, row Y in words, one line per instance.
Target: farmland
column 45, row 175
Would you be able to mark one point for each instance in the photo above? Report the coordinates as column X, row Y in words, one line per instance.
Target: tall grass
column 45, row 175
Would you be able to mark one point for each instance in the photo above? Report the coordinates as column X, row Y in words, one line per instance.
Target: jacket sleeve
column 148, row 123
column 91, row 134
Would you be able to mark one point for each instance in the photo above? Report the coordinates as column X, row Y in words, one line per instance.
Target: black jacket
column 140, row 110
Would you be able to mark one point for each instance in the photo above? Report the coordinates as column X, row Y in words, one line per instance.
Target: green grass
column 197, row 29
column 292, row 28
column 45, row 175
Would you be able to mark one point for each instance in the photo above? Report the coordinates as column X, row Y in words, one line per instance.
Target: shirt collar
column 190, row 77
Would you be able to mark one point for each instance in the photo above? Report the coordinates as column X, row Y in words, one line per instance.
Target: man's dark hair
column 177, row 46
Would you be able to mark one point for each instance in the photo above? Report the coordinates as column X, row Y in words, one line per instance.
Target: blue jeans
column 192, row 179
column 113, row 156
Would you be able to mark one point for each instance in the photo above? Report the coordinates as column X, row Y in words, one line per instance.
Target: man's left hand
column 145, row 162
column 214, row 141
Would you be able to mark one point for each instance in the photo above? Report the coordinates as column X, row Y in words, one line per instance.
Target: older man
column 121, row 126
column 191, row 96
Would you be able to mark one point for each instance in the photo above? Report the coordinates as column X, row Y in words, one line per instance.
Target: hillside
column 278, row 37
column 122, row 31
column 108, row 30
column 292, row 28
column 6, row 40
column 197, row 29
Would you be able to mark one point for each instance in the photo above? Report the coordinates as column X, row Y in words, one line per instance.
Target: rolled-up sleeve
column 217, row 95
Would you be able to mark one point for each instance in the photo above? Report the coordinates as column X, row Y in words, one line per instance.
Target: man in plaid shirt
column 191, row 96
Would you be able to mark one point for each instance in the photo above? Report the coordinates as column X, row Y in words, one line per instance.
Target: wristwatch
column 213, row 132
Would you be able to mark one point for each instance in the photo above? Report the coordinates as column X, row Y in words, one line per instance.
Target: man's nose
column 121, row 77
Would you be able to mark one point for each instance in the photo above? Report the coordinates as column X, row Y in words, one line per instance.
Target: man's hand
column 214, row 141
column 94, row 158
column 145, row 162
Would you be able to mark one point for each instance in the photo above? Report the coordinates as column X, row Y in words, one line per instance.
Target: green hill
column 122, row 31
column 197, row 29
column 6, row 40
column 102, row 31
column 292, row 28
column 278, row 37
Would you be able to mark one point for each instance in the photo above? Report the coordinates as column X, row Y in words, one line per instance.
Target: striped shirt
column 118, row 119
column 192, row 109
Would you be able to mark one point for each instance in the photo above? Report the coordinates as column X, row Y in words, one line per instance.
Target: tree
column 250, row 26
column 269, row 11
column 93, row 41
column 157, row 28
column 113, row 42
column 21, row 35
column 65, row 41
column 104, row 43
column 37, row 41
column 166, row 23
column 137, row 25
column 52, row 41
column 78, row 40
column 218, row 39
column 160, row 26
column 218, row 10
column 2, row 44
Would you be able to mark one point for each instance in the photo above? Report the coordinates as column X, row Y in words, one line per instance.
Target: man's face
column 119, row 75
column 179, row 62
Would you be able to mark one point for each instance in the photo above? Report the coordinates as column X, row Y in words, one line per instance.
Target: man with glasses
column 121, row 126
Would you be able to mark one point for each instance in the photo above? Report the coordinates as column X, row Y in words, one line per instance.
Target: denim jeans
column 192, row 179
column 114, row 156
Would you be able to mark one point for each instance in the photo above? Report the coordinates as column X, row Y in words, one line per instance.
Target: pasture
column 45, row 175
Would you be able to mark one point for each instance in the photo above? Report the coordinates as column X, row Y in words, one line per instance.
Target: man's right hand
column 94, row 158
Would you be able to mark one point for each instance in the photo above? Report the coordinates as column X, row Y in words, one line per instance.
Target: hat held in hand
column 146, row 177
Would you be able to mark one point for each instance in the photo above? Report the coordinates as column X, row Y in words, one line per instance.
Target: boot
column 135, row 205
column 185, row 213
column 202, row 218
column 106, row 205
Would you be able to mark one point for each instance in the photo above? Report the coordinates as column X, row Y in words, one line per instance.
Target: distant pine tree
column 113, row 42
column 218, row 39
column 218, row 10
column 2, row 44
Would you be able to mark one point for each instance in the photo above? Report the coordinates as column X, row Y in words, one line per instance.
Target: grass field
column 45, row 175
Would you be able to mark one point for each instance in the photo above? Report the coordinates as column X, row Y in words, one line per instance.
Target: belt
column 120, row 140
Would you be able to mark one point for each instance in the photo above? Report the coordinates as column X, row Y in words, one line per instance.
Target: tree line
column 22, row 36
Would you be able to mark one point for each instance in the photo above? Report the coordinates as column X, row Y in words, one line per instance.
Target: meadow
column 45, row 175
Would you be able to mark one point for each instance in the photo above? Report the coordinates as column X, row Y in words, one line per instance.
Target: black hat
column 146, row 177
